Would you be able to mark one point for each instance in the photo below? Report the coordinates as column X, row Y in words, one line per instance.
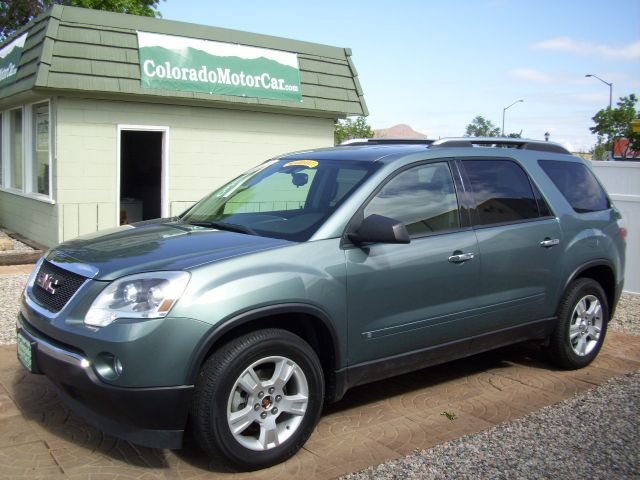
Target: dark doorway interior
column 140, row 176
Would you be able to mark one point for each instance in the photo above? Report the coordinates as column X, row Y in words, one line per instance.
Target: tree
column 614, row 124
column 16, row 13
column 599, row 149
column 481, row 127
column 350, row 128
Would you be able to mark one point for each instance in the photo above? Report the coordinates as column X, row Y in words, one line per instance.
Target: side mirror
column 379, row 229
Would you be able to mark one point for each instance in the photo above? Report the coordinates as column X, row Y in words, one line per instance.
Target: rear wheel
column 258, row 398
column 582, row 325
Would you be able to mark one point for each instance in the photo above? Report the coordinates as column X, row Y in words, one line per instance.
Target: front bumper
column 152, row 417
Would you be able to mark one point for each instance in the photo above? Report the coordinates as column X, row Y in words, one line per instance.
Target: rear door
column 518, row 241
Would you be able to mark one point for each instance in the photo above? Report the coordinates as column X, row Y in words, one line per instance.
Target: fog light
column 108, row 366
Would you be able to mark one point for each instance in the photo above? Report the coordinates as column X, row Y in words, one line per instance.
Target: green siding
column 33, row 219
column 71, row 48
column 79, row 51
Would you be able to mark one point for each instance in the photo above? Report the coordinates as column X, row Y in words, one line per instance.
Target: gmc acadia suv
column 318, row 271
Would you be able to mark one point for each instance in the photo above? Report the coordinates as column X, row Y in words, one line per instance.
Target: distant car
column 318, row 271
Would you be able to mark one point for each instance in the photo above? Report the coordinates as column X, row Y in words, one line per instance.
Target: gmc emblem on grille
column 47, row 282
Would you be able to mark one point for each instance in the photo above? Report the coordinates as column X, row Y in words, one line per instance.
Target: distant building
column 621, row 151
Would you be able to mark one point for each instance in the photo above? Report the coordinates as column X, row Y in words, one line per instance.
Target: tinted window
column 423, row 198
column 345, row 180
column 502, row 191
column 578, row 185
column 543, row 208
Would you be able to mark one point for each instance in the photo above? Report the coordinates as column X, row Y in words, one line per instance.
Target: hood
column 151, row 246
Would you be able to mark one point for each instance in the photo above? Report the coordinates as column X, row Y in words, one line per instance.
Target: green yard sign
column 10, row 59
column 188, row 64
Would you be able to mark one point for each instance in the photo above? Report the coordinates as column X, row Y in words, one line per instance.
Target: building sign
column 10, row 59
column 193, row 65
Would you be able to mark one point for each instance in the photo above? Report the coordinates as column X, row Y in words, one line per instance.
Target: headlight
column 147, row 295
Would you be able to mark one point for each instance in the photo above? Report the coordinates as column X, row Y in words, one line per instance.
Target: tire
column 258, row 398
column 583, row 316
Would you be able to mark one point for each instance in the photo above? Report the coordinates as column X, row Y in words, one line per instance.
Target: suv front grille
column 54, row 286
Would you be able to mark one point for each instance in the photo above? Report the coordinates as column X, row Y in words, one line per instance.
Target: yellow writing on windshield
column 301, row 163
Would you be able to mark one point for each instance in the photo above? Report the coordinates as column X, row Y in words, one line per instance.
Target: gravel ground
column 11, row 287
column 627, row 316
column 17, row 245
column 593, row 435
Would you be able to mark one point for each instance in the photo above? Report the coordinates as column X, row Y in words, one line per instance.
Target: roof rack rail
column 519, row 143
column 385, row 141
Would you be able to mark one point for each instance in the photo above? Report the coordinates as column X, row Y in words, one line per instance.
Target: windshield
column 286, row 199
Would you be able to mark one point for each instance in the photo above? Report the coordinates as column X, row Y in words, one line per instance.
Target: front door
column 409, row 297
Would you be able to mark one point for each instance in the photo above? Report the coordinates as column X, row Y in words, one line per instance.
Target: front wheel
column 258, row 398
column 582, row 324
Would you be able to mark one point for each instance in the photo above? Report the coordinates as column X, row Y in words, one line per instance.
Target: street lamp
column 505, row 109
column 606, row 83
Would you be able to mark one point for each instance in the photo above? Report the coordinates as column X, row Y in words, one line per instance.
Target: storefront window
column 40, row 156
column 15, row 149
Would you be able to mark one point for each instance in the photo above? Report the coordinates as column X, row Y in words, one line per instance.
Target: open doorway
column 141, row 175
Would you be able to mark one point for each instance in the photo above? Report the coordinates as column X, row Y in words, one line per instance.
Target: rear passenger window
column 577, row 184
column 502, row 191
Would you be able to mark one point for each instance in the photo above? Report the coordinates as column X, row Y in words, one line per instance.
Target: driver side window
column 422, row 197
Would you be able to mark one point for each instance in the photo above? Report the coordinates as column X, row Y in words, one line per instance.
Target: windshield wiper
column 231, row 227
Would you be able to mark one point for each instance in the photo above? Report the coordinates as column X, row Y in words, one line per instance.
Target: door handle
column 461, row 257
column 549, row 242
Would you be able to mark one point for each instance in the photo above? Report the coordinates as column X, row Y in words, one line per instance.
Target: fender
column 245, row 317
column 593, row 263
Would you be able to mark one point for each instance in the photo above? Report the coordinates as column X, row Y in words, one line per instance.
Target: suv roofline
column 519, row 143
column 464, row 142
column 385, row 141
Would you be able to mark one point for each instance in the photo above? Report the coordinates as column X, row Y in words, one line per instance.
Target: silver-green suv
column 318, row 271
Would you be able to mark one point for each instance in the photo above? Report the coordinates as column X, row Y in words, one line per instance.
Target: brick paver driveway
column 40, row 438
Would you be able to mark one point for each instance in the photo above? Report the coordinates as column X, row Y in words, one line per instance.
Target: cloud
column 571, row 45
column 531, row 75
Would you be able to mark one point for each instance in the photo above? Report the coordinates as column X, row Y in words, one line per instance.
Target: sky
column 435, row 65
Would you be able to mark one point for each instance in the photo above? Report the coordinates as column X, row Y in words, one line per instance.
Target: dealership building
column 108, row 118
